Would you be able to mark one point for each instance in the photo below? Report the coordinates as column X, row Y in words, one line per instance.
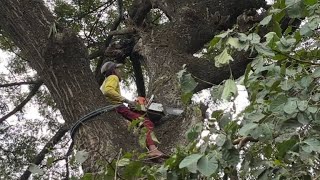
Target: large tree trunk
column 62, row 63
column 167, row 48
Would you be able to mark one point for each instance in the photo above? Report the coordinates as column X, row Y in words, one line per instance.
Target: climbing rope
column 85, row 118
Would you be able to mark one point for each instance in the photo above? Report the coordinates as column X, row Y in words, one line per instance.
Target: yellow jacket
column 111, row 89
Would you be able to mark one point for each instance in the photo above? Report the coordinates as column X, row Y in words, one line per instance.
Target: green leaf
column 254, row 38
column 217, row 114
column 225, row 34
column 234, row 42
column 312, row 109
column 87, row 176
column 207, row 167
column 287, row 84
column 230, row 89
column 302, row 105
column 214, row 41
column 242, row 37
column 50, row 161
column 295, row 8
column 187, row 84
column 246, row 128
column 276, row 28
column 306, row 81
column 143, row 137
column 314, row 144
column 221, row 139
column 194, row 132
column 284, row 147
column 303, row 118
column 193, row 168
column 224, row 120
column 193, row 158
column 35, row 169
column 270, row 37
column 278, row 103
column 305, row 30
column 316, row 73
column 123, row 162
column 264, row 50
column 310, row 2
column 266, row 20
column 223, row 58
column 291, row 107
column 154, row 138
column 255, row 117
column 81, row 156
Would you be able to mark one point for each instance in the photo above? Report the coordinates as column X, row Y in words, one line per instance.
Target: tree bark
column 167, row 48
column 62, row 62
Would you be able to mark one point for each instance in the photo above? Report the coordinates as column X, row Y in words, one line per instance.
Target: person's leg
column 131, row 115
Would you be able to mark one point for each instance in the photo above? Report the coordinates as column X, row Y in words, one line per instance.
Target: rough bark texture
column 167, row 48
column 62, row 62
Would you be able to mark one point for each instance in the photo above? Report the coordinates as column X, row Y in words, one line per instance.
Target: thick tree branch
column 24, row 102
column 135, row 59
column 100, row 52
column 46, row 149
column 139, row 10
column 122, row 32
column 19, row 83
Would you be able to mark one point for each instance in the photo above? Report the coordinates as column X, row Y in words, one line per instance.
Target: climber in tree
column 111, row 89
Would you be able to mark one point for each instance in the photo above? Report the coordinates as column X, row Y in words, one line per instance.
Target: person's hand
column 131, row 104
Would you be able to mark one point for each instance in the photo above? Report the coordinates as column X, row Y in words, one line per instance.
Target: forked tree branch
column 50, row 144
column 24, row 102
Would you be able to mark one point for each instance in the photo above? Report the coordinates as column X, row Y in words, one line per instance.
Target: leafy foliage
column 283, row 86
column 283, row 115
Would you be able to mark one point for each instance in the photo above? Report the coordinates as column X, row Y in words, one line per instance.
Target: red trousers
column 131, row 115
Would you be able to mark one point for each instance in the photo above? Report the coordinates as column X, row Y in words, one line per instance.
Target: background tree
column 63, row 44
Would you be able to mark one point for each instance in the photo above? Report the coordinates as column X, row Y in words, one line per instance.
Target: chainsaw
column 156, row 111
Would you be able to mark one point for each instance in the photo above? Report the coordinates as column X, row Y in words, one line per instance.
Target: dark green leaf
column 264, row 50
column 313, row 143
column 310, row 2
column 302, row 105
column 246, row 129
column 266, row 20
column 254, row 38
column 295, row 8
column 207, row 167
column 193, row 158
column 303, row 118
column 230, row 89
column 223, row 58
column 291, row 106
column 221, row 139
column 316, row 73
column 277, row 104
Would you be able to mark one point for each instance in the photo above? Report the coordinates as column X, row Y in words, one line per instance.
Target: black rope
column 85, row 118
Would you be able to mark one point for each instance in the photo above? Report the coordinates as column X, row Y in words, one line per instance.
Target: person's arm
column 110, row 89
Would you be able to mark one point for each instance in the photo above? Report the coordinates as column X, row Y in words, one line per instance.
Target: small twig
column 23, row 103
column 243, row 141
column 115, row 172
column 299, row 60
column 202, row 80
column 19, row 83
column 110, row 164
